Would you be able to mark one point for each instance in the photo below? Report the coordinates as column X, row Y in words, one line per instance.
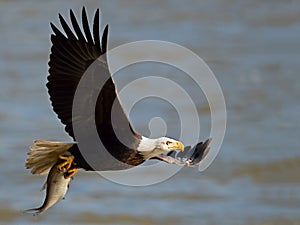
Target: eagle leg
column 70, row 173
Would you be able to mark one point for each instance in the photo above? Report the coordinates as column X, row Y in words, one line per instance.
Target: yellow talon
column 70, row 173
column 66, row 166
column 68, row 160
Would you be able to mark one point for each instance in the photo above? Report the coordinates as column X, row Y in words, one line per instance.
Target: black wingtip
column 201, row 151
column 56, row 30
column 66, row 28
column 86, row 28
column 76, row 27
column 83, row 9
column 96, row 30
column 207, row 142
column 52, row 26
column 104, row 39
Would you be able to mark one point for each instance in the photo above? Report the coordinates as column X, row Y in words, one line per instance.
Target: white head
column 153, row 147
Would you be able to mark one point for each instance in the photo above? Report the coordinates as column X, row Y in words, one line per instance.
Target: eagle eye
column 168, row 142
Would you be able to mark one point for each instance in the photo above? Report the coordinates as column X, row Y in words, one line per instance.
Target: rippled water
column 253, row 49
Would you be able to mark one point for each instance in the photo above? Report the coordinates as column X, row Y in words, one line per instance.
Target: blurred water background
column 253, row 48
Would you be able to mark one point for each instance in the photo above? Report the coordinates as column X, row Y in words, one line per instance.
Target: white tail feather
column 44, row 154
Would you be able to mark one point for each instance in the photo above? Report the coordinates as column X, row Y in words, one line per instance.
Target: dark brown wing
column 71, row 55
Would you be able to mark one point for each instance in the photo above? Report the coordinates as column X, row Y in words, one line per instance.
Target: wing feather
column 66, row 28
column 96, row 31
column 71, row 55
column 86, row 28
column 104, row 39
column 76, row 27
column 72, row 52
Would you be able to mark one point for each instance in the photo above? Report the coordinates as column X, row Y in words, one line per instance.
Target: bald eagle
column 72, row 53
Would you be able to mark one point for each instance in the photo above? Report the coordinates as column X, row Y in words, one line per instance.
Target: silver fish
column 57, row 186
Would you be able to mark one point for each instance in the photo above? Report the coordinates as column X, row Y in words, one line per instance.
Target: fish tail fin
column 44, row 154
column 34, row 212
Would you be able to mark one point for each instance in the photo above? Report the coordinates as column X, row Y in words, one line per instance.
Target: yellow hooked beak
column 178, row 146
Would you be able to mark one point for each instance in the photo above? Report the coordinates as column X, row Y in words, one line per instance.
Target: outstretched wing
column 71, row 55
column 190, row 157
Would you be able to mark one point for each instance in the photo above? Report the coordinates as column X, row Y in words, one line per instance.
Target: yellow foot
column 70, row 173
column 68, row 160
column 66, row 166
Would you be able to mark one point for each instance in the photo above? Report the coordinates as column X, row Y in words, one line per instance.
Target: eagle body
column 103, row 137
column 75, row 48
column 125, row 157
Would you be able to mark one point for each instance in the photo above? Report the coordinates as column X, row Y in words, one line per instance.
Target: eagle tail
column 44, row 154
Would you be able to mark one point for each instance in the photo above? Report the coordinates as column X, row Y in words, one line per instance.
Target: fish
column 56, row 188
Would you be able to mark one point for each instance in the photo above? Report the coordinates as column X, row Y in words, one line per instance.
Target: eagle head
column 150, row 148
